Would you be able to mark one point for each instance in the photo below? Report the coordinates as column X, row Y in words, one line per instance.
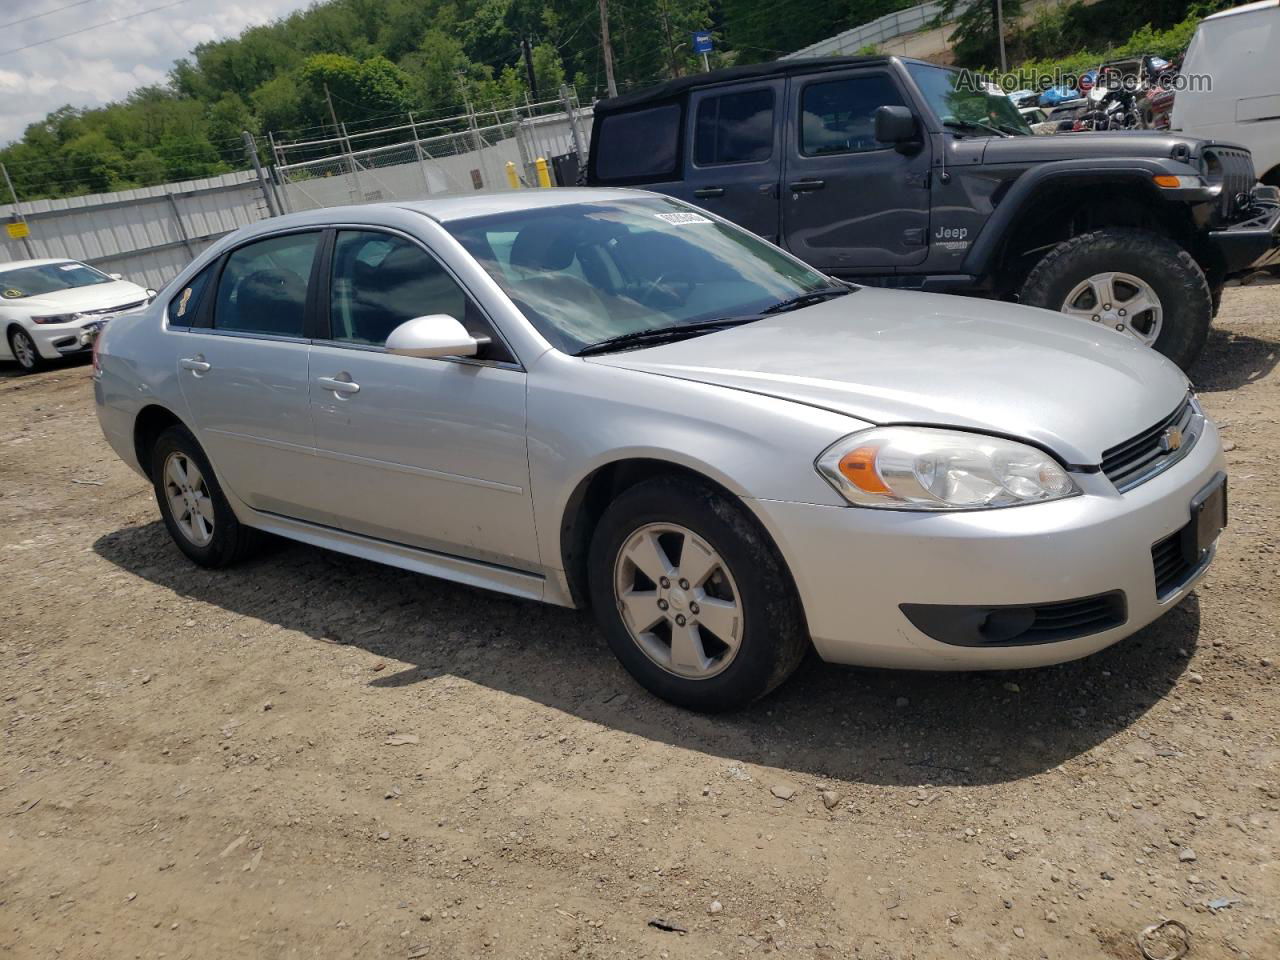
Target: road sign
column 18, row 230
column 702, row 41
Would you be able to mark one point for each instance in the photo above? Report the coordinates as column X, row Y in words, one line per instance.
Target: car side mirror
column 438, row 335
column 896, row 125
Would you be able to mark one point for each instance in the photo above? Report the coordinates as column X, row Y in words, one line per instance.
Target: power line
column 95, row 26
column 37, row 16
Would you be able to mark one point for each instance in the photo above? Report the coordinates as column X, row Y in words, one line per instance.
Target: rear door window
column 263, row 287
column 734, row 128
column 639, row 145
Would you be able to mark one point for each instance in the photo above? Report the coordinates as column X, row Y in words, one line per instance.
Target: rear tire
column 736, row 583
column 1186, row 301
column 24, row 351
column 195, row 510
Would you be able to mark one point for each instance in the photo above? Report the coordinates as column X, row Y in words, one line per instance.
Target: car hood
column 891, row 357
column 98, row 296
column 1111, row 143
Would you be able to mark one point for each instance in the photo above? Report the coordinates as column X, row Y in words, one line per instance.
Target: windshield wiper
column 975, row 125
column 807, row 299
column 678, row 331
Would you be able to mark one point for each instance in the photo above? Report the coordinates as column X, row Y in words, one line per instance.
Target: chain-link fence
column 478, row 150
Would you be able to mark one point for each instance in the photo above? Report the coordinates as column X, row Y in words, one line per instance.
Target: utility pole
column 1004, row 63
column 671, row 47
column 251, row 151
column 328, row 98
column 526, row 49
column 18, row 215
column 608, row 48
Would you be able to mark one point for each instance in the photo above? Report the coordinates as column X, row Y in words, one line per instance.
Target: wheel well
column 151, row 421
column 1060, row 211
column 593, row 495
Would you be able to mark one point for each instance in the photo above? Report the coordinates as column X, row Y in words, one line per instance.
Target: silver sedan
column 612, row 399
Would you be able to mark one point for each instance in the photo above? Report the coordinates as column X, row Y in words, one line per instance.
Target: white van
column 1239, row 50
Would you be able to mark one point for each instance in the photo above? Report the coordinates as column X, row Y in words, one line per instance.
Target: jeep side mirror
column 896, row 125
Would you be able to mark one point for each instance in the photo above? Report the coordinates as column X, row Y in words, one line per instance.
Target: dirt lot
column 200, row 764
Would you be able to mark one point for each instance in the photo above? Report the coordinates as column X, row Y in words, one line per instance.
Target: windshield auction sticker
column 682, row 218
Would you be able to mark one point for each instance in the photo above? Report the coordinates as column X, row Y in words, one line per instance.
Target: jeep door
column 734, row 164
column 849, row 201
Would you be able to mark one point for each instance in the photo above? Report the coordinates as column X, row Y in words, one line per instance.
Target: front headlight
column 921, row 468
column 59, row 318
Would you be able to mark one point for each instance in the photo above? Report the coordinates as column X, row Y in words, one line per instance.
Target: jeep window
column 734, row 128
column 838, row 116
column 961, row 98
column 638, row 145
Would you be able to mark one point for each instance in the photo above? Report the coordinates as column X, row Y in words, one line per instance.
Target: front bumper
column 64, row 339
column 1251, row 244
column 855, row 568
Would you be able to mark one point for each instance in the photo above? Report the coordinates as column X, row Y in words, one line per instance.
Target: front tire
column 24, row 351
column 195, row 510
column 1136, row 281
column 692, row 596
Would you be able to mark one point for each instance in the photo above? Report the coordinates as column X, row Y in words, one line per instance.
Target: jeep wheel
column 1138, row 282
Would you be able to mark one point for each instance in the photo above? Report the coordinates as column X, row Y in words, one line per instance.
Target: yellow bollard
column 512, row 177
column 544, row 174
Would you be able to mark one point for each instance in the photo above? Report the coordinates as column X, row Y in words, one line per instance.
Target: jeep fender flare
column 986, row 248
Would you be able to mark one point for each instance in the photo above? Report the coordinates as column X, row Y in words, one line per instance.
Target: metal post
column 573, row 124
column 522, row 135
column 251, row 149
column 477, row 143
column 277, row 181
column 18, row 216
column 351, row 164
column 182, row 228
column 417, row 152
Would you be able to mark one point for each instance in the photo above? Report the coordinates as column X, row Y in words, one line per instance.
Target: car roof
column 673, row 89
column 14, row 264
column 1247, row 8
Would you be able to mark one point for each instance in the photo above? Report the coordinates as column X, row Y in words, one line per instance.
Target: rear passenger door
column 734, row 162
column 849, row 201
column 243, row 367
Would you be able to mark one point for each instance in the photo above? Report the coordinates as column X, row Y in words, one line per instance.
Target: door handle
column 195, row 364
column 704, row 192
column 340, row 387
column 801, row 186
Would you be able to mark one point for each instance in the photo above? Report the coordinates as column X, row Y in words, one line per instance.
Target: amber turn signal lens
column 1166, row 180
column 858, row 466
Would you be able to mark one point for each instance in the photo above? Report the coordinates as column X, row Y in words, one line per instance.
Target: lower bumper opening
column 1018, row 625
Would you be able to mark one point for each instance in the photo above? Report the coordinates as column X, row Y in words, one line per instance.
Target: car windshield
column 39, row 279
column 585, row 273
column 962, row 99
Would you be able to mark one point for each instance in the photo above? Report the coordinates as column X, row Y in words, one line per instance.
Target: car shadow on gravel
column 870, row 726
column 1231, row 360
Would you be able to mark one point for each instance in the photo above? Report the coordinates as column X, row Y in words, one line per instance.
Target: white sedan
column 54, row 308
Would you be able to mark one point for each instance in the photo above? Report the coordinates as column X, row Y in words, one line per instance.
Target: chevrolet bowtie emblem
column 1171, row 440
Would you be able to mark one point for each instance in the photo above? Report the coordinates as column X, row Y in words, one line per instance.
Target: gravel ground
column 311, row 755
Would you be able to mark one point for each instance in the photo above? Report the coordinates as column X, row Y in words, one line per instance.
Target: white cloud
column 105, row 63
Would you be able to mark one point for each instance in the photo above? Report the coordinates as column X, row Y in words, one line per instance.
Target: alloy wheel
column 24, row 350
column 1121, row 301
column 188, row 496
column 678, row 600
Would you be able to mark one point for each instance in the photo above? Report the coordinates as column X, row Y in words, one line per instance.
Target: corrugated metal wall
column 147, row 234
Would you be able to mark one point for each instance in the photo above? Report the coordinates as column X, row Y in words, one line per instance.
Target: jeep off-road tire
column 1186, row 302
column 693, row 596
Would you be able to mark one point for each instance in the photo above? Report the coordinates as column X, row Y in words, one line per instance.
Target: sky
column 104, row 63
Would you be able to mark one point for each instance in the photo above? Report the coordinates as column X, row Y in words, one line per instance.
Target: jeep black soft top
column 900, row 172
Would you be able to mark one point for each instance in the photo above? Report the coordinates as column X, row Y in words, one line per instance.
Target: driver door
column 849, row 201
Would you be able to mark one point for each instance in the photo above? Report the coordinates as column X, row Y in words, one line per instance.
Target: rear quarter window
column 639, row 145
column 185, row 305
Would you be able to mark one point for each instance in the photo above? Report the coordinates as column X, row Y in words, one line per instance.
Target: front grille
column 1139, row 458
column 122, row 307
column 1171, row 565
column 1234, row 170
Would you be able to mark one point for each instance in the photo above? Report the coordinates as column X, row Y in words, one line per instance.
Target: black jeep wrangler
column 902, row 173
